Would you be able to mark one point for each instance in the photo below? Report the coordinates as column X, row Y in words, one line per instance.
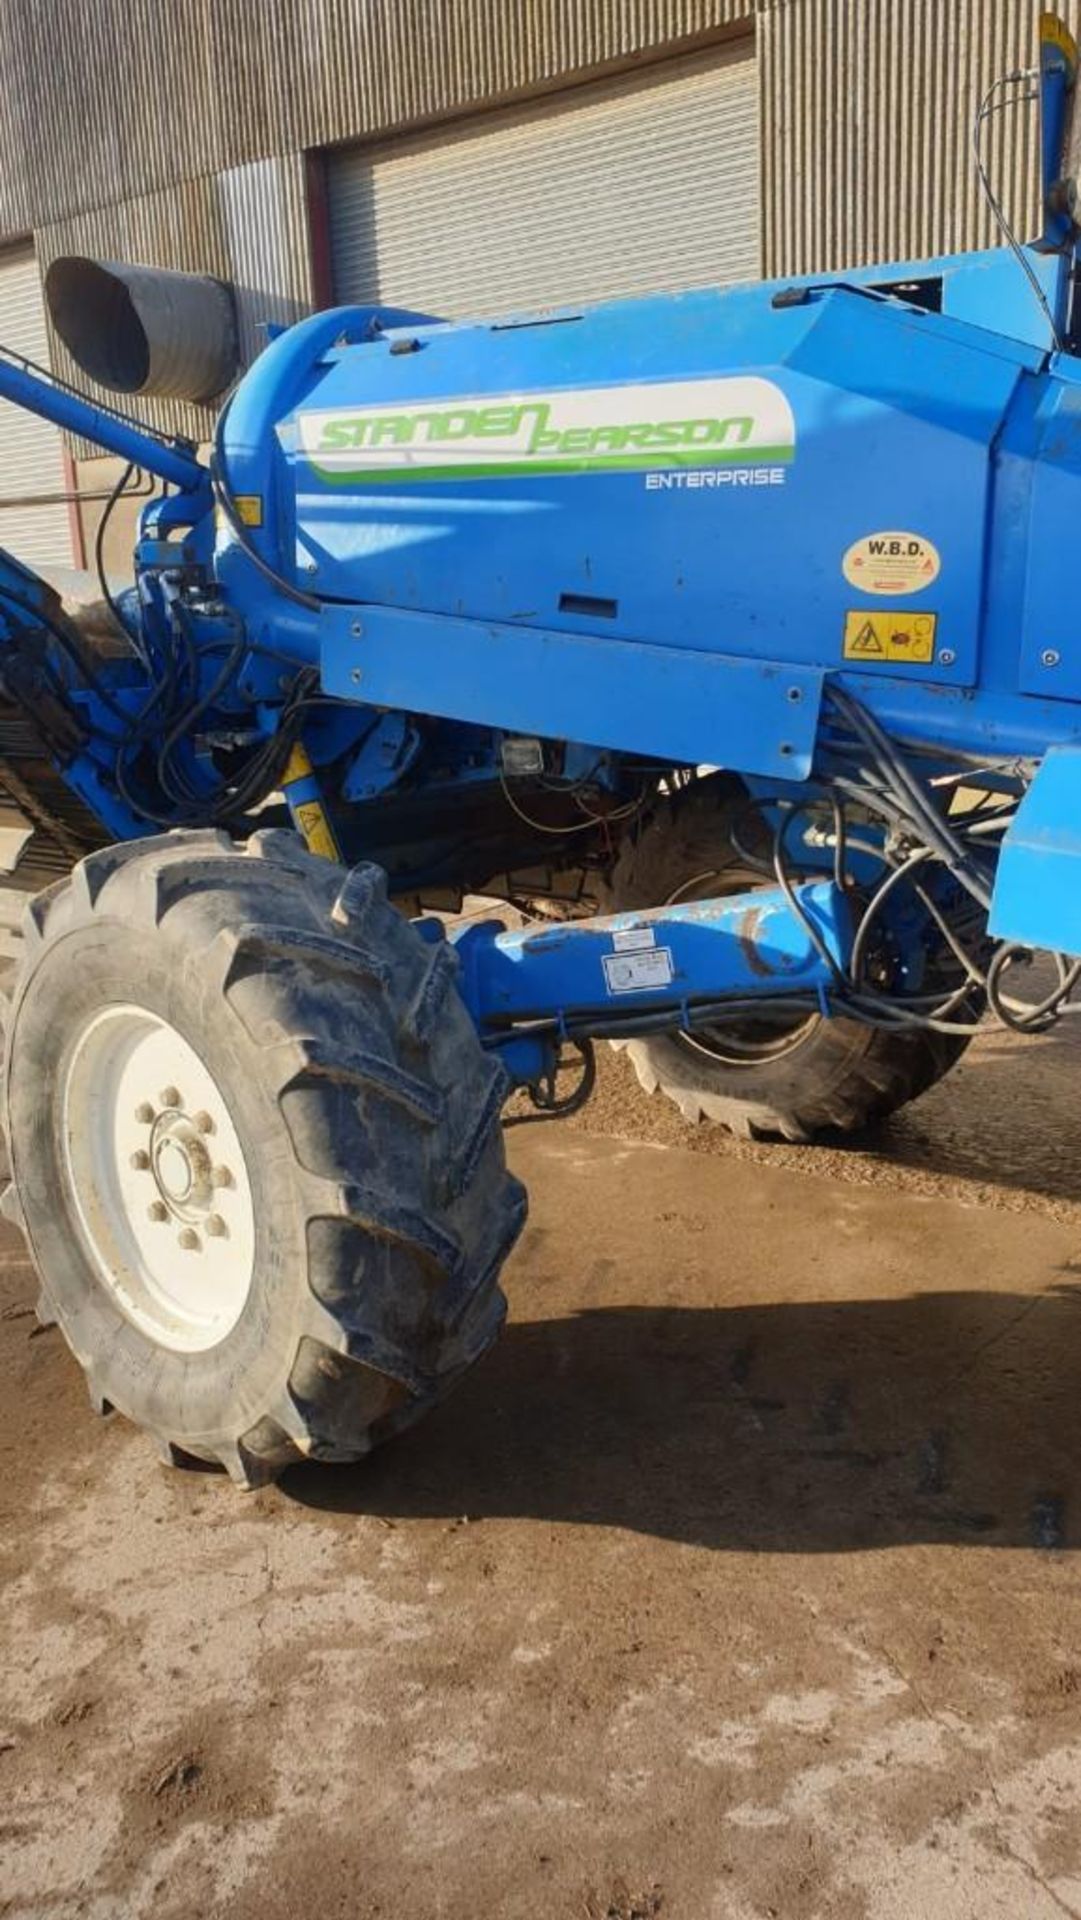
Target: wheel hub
column 159, row 1178
column 180, row 1164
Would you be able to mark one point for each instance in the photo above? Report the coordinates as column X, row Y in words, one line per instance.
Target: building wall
column 105, row 100
column 174, row 132
column 866, row 101
column 867, row 111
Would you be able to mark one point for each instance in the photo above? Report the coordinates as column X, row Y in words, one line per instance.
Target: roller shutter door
column 31, row 461
column 626, row 185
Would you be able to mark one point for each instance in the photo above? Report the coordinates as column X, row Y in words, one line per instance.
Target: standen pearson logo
column 740, row 421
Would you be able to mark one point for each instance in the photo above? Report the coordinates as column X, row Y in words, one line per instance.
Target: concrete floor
column 738, row 1582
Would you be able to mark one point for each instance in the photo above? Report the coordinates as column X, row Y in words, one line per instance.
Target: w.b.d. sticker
column 891, row 562
column 897, row 637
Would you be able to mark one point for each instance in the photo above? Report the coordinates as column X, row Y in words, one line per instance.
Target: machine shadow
column 817, row 1427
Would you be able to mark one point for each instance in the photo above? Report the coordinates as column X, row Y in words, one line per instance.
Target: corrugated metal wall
column 107, row 100
column 102, row 100
column 32, row 462
column 867, row 109
column 264, row 220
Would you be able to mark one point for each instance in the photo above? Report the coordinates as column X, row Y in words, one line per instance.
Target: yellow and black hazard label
column 249, row 511
column 313, row 824
column 896, row 637
column 298, row 766
column 309, row 815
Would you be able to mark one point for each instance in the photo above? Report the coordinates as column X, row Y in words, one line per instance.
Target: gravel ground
column 738, row 1582
column 999, row 1131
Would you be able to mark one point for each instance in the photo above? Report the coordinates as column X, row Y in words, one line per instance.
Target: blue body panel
column 671, row 703
column 895, row 415
column 901, row 419
column 1037, row 898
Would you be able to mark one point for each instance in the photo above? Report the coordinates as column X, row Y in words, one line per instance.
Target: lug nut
column 170, row 1097
column 157, row 1210
column 188, row 1239
column 215, row 1225
column 220, row 1177
column 144, row 1113
column 204, row 1121
column 140, row 1161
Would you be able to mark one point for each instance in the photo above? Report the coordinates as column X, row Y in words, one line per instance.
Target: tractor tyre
column 814, row 1076
column 255, row 1149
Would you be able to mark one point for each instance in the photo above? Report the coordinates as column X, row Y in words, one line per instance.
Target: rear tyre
column 809, row 1077
column 255, row 1149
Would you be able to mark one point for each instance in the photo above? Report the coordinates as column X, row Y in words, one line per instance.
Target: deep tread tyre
column 842, row 1076
column 369, row 1117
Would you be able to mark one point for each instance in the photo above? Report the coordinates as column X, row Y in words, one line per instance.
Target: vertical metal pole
column 1060, row 166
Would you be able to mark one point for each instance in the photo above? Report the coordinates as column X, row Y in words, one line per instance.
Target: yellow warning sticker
column 298, row 766
column 249, row 509
column 906, row 637
column 891, row 562
column 315, row 827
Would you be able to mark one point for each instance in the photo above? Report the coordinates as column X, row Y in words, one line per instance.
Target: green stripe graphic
column 692, row 459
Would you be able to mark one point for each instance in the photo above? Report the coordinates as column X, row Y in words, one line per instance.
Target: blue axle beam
column 627, row 971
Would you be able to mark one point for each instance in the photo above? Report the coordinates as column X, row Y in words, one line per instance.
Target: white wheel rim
column 158, row 1179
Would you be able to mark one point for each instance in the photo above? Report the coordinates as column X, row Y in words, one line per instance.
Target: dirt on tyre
column 255, row 1149
column 793, row 1080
